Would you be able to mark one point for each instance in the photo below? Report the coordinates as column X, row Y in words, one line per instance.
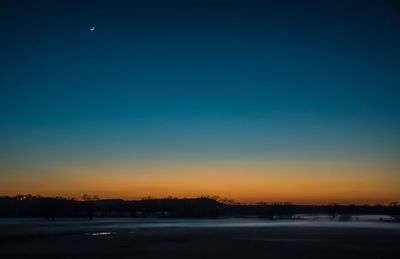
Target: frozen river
column 116, row 224
column 311, row 236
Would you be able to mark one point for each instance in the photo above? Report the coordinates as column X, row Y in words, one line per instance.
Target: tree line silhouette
column 170, row 207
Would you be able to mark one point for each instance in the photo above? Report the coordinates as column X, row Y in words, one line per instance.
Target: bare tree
column 89, row 202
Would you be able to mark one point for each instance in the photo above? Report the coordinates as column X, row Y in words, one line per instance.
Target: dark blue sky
column 199, row 80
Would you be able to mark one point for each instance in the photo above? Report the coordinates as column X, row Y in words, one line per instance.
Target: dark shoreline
column 202, row 207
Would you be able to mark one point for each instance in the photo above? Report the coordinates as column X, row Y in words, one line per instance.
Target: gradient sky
column 251, row 100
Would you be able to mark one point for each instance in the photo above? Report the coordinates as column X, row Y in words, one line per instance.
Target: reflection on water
column 226, row 223
column 99, row 234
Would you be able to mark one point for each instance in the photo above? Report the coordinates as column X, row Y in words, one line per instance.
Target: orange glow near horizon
column 294, row 182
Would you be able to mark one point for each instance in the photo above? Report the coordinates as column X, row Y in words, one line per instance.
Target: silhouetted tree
column 394, row 210
column 332, row 211
column 90, row 204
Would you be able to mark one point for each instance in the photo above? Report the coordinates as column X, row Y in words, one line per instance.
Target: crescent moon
column 92, row 29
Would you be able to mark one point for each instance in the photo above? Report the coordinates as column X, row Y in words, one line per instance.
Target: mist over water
column 109, row 226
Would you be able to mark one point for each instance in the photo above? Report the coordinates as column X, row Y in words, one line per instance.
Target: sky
column 250, row 100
